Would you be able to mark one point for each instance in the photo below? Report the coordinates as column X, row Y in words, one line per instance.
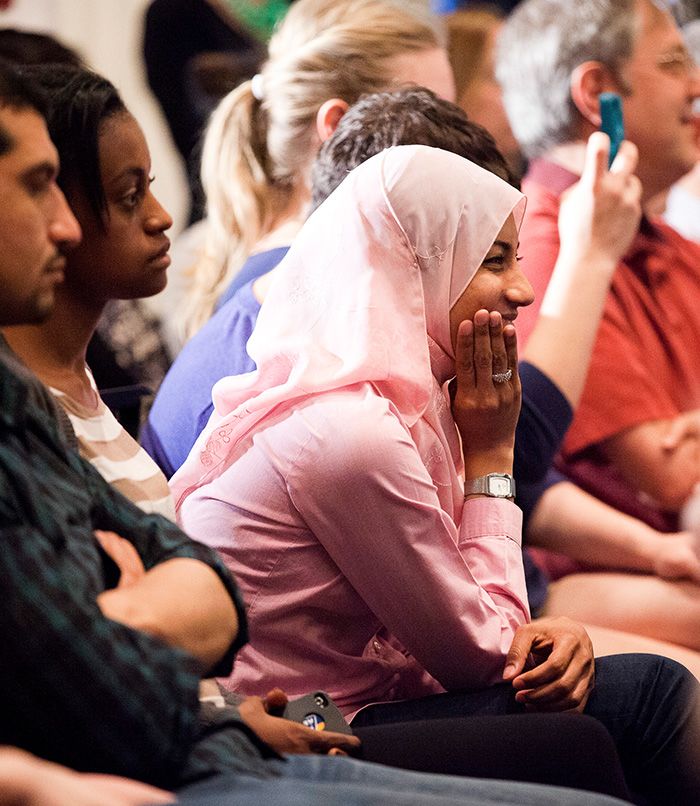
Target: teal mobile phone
column 611, row 121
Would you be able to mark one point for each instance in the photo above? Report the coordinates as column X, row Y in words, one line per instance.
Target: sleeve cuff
column 491, row 517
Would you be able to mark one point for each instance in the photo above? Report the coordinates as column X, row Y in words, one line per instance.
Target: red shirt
column 646, row 360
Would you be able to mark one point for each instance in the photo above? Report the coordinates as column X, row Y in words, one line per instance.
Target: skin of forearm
column 561, row 343
column 183, row 603
column 16, row 773
column 569, row 521
column 668, row 477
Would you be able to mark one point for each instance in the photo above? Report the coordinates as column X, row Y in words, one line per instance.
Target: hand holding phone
column 324, row 732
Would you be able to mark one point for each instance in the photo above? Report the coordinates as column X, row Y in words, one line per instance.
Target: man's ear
column 328, row 117
column 588, row 80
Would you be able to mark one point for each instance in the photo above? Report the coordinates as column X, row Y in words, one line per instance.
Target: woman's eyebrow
column 133, row 172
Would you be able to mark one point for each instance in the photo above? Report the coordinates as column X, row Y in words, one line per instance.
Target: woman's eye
column 495, row 261
column 131, row 199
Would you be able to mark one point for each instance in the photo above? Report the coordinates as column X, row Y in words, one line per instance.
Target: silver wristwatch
column 495, row 485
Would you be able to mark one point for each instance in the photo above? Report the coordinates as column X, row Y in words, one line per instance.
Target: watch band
column 495, row 485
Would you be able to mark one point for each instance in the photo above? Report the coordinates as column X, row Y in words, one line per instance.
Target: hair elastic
column 256, row 87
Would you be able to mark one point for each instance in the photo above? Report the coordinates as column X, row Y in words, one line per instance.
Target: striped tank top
column 116, row 455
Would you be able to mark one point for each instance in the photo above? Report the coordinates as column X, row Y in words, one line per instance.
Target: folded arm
column 569, row 521
column 186, row 598
column 183, row 603
column 660, row 458
column 79, row 688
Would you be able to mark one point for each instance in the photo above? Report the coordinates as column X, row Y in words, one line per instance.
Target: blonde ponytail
column 256, row 153
column 240, row 197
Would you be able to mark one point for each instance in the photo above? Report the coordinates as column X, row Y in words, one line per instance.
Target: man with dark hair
column 30, row 263
column 84, row 683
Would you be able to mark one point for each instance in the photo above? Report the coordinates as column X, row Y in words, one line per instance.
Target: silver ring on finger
column 502, row 377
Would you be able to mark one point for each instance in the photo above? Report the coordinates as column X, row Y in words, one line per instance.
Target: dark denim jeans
column 648, row 704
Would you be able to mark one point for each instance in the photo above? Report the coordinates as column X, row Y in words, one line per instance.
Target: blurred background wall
column 107, row 33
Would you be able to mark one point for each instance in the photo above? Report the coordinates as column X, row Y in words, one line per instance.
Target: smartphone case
column 318, row 712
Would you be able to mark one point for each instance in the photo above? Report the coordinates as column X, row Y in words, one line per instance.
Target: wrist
column 645, row 543
column 496, row 461
column 576, row 266
column 492, row 485
column 599, row 260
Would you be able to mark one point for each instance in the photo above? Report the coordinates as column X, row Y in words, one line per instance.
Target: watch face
column 500, row 486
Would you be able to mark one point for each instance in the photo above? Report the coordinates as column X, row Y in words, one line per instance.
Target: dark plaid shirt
column 76, row 687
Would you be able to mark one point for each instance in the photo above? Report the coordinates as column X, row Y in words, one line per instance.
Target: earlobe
column 328, row 117
column 588, row 80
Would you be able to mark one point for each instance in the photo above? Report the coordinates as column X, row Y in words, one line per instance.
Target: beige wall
column 107, row 33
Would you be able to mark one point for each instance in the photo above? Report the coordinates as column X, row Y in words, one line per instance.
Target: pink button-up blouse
column 356, row 580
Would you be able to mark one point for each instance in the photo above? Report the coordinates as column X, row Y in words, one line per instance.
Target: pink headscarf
column 364, row 296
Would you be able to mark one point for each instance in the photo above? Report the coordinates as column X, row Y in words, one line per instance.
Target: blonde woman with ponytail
column 257, row 156
column 258, row 150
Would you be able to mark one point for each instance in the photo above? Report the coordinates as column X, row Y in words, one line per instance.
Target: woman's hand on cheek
column 486, row 407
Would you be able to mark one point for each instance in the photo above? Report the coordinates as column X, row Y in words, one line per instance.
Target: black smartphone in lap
column 318, row 712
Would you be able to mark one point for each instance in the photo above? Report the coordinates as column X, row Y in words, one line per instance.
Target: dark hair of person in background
column 195, row 51
column 409, row 116
column 80, row 103
column 18, row 93
column 22, row 48
column 28, row 47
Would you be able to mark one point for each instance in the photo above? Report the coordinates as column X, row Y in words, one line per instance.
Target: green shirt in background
column 260, row 16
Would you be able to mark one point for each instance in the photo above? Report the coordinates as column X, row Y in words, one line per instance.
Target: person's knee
column 638, row 681
column 639, row 664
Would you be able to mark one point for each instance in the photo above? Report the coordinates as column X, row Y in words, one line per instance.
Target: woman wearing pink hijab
column 367, row 512
column 332, row 478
